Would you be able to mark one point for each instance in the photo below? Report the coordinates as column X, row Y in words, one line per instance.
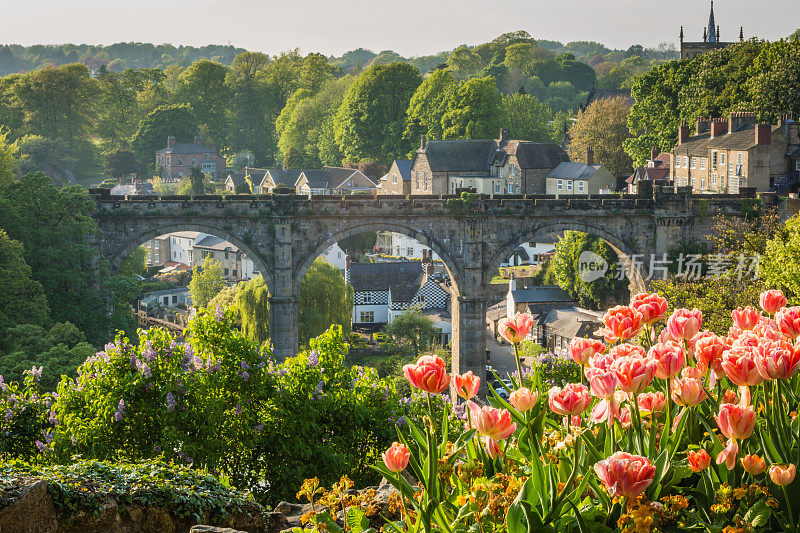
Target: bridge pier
column 469, row 336
column 283, row 328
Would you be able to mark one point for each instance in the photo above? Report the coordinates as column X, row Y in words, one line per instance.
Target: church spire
column 712, row 29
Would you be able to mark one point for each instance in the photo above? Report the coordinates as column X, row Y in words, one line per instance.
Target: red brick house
column 176, row 159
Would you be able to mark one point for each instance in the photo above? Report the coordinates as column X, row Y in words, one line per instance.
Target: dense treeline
column 79, row 118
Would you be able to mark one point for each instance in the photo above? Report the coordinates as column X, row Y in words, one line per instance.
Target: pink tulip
column 491, row 422
column 777, row 359
column 687, row 391
column 522, row 399
column 767, row 329
column 651, row 306
column 467, row 385
column 788, row 320
column 582, row 350
column 515, row 330
column 429, row 374
column 745, row 319
column 684, row 324
column 738, row 362
column 625, row 350
column 708, row 350
column 624, row 418
column 772, row 301
column 491, row 447
column 651, row 403
column 753, row 464
column 607, row 409
column 670, row 358
column 573, row 399
column 396, row 457
column 634, row 373
column 782, row 474
column 602, row 383
column 620, row 323
column 735, row 422
column 625, row 475
column 699, row 460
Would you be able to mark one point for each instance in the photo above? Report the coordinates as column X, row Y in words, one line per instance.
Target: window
column 410, row 250
column 157, row 258
column 194, row 162
column 420, row 299
column 226, row 271
column 714, row 160
column 694, row 162
column 416, row 177
column 685, row 161
column 569, row 185
column 513, row 170
column 730, row 168
column 739, row 158
column 149, row 257
column 702, row 163
column 797, row 164
column 394, row 178
column 235, row 273
column 174, row 300
column 497, row 188
column 580, row 185
column 367, row 317
column 226, row 254
column 180, row 162
column 559, row 185
column 722, row 159
column 692, row 181
column 166, row 300
column 714, row 179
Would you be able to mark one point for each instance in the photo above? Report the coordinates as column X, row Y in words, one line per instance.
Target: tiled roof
column 286, row 177
column 215, row 243
column 573, row 171
column 743, row 138
column 185, row 234
column 317, row 179
column 573, row 322
column 458, row 155
column 648, row 173
column 602, row 94
column 540, row 294
column 186, row 148
column 394, row 276
column 404, row 167
column 237, row 177
column 663, row 160
column 497, row 311
column 536, row 155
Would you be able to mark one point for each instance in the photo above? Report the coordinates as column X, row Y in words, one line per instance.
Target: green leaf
column 759, row 514
column 356, row 520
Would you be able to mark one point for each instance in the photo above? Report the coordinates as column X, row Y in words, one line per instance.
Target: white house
column 166, row 298
column 181, row 244
column 529, row 253
column 336, row 257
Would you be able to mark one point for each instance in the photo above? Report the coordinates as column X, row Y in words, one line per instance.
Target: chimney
column 702, row 125
column 346, row 261
column 198, row 139
column 170, row 141
column 738, row 119
column 512, row 285
column 683, row 133
column 763, row 134
column 589, row 156
column 422, row 142
column 653, row 153
column 503, row 135
column 718, row 127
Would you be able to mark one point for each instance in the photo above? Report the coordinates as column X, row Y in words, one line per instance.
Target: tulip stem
column 788, row 507
column 638, row 423
column 519, row 364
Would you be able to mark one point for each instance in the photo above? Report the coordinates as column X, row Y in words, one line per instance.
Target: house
column 529, row 253
column 403, row 246
column 711, row 39
column 276, row 177
column 384, row 291
column 537, row 300
column 398, row 179
column 333, row 181
column 656, row 171
column 726, row 155
column 158, row 251
column 235, row 264
column 165, row 298
column 561, row 325
column 176, row 159
column 579, row 178
column 181, row 244
column 336, row 257
column 136, row 188
column 491, row 166
column 236, row 180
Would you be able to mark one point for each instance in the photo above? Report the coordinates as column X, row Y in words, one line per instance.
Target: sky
column 410, row 27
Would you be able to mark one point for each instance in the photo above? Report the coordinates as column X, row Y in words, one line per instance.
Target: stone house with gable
column 333, row 181
column 491, row 166
column 726, row 155
column 176, row 159
column 398, row 179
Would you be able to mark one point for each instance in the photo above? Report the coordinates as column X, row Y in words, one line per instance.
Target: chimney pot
column 198, row 139
column 422, row 141
column 653, row 153
column 683, row 134
column 718, row 127
column 589, row 156
column 170, row 141
column 763, row 134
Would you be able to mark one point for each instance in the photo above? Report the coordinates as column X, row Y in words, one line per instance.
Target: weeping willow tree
column 249, row 301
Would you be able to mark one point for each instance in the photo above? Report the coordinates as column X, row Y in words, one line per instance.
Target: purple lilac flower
column 35, row 372
column 9, row 414
column 48, row 436
column 258, row 428
column 401, row 421
column 2, row 385
column 53, row 418
column 146, row 371
column 171, row 403
column 188, row 351
column 238, row 409
column 108, row 347
column 460, row 410
column 219, row 314
column 41, row 446
column 313, row 358
column 118, row 416
column 245, row 376
column 197, row 362
column 245, row 366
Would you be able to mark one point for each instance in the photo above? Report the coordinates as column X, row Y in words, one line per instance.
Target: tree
column 371, row 119
column 207, row 281
column 51, row 156
column 250, row 124
column 197, row 181
column 202, row 86
column 359, row 243
column 428, row 105
column 8, row 160
column 527, row 118
column 603, row 127
column 177, row 120
column 464, row 62
column 474, row 111
column 325, row 299
column 249, row 303
column 414, row 329
column 774, row 85
column 779, row 266
column 22, row 298
column 121, row 162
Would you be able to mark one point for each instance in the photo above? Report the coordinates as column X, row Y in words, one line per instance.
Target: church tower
column 712, row 28
column 711, row 39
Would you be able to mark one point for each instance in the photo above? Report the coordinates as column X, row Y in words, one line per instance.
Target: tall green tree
column 527, row 118
column 207, row 282
column 414, row 329
column 603, row 127
column 474, row 111
column 22, row 298
column 250, row 127
column 464, row 62
column 774, row 84
column 174, row 119
column 325, row 299
column 371, row 120
column 202, row 86
column 249, row 302
column 428, row 105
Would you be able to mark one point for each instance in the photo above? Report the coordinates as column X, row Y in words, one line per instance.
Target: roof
column 186, row 148
column 602, row 94
column 540, row 294
column 215, row 243
column 648, row 174
column 743, row 138
column 497, row 311
column 236, row 177
column 166, row 292
column 403, row 167
column 256, row 175
column 285, row 177
column 574, row 322
column 663, row 160
column 128, row 190
column 185, row 234
column 177, row 265
column 535, row 155
column 570, row 170
column 317, row 179
column 455, row 155
column 396, row 276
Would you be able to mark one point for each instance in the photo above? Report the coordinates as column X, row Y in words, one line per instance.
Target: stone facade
column 177, row 159
column 158, row 251
column 283, row 234
column 398, row 179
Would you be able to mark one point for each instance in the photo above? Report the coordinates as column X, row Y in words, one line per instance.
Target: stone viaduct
column 472, row 234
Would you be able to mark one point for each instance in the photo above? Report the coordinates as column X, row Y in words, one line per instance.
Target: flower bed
column 669, row 428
